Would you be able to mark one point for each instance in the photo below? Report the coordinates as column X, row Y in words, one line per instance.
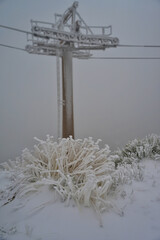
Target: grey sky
column 115, row 100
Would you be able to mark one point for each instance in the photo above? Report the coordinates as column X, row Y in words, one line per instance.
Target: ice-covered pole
column 67, row 86
column 72, row 37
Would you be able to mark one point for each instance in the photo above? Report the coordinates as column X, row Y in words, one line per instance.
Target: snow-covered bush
column 75, row 169
column 149, row 147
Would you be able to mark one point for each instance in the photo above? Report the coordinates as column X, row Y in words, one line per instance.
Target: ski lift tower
column 68, row 37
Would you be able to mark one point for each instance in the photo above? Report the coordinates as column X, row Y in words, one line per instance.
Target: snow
column 42, row 216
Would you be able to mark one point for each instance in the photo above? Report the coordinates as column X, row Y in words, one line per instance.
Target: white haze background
column 115, row 100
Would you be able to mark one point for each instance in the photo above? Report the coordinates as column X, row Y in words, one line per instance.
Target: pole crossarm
column 69, row 32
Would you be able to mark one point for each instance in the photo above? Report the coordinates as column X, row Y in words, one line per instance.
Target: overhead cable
column 139, row 45
column 119, row 45
column 8, row 46
column 127, row 58
column 15, row 29
column 109, row 58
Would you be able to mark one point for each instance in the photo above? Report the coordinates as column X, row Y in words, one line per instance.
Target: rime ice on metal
column 68, row 37
column 69, row 31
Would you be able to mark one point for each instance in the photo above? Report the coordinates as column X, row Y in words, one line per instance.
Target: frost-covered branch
column 148, row 147
column 77, row 169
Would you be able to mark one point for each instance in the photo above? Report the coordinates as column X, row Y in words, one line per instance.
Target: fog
column 114, row 100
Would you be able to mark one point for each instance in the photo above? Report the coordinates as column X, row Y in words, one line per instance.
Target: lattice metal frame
column 69, row 32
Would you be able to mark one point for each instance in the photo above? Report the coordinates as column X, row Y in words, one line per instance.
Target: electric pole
column 68, row 37
column 67, row 90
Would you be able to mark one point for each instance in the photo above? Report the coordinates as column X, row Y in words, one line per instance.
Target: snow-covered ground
column 41, row 216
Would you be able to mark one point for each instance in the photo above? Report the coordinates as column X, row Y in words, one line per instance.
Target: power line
column 139, row 45
column 8, row 46
column 127, row 58
column 109, row 58
column 16, row 29
column 119, row 45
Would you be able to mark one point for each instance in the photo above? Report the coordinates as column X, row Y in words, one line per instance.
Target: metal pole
column 67, row 87
column 59, row 97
